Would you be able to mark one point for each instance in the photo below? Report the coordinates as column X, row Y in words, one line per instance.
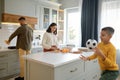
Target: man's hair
column 21, row 18
column 109, row 30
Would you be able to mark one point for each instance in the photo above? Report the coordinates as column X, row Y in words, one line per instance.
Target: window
column 110, row 16
column 72, row 26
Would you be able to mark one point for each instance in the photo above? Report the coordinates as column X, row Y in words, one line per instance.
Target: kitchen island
column 60, row 66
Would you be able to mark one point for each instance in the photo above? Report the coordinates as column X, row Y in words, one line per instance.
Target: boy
column 106, row 54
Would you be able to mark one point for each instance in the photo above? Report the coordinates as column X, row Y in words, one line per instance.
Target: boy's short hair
column 21, row 18
column 109, row 30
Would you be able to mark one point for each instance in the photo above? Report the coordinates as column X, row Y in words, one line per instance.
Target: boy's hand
column 7, row 42
column 99, row 53
column 84, row 58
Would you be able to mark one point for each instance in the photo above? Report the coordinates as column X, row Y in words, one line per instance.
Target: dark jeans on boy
column 109, row 75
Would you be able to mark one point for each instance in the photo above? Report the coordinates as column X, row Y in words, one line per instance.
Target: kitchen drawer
column 13, row 68
column 94, row 75
column 3, row 56
column 13, row 57
column 83, row 77
column 93, row 64
column 12, row 53
column 88, row 76
column 14, row 64
column 3, row 69
column 67, row 71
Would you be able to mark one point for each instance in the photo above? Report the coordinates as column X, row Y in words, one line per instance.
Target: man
column 24, row 41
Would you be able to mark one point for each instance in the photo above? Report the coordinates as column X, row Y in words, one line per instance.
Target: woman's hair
column 49, row 28
column 109, row 30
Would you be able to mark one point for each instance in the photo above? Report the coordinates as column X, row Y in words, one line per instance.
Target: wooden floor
column 118, row 78
column 13, row 78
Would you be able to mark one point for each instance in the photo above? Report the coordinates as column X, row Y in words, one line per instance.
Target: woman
column 49, row 41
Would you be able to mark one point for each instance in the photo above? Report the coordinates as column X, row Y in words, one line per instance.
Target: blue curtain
column 89, row 20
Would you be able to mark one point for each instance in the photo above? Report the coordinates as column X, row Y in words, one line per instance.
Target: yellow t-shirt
column 110, row 52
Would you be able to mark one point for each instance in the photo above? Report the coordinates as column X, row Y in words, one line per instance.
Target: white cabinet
column 89, row 67
column 69, row 71
column 20, row 7
column 46, row 12
column 64, row 72
column 49, row 15
column 61, row 26
column 57, row 66
column 9, row 64
column 88, row 76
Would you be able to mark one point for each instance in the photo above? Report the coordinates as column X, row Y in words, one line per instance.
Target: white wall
column 69, row 3
column 118, row 58
column 5, row 32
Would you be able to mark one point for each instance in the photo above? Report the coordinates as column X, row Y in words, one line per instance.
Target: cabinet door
column 3, row 69
column 24, row 7
column 61, row 26
column 95, row 75
column 54, row 16
column 69, row 71
column 13, row 62
column 46, row 17
column 3, row 56
column 93, row 64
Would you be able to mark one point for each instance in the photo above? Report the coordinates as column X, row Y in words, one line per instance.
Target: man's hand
column 7, row 42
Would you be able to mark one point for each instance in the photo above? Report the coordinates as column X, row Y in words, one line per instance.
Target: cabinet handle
column 3, row 56
column 74, row 70
column 2, row 69
column 95, row 61
column 94, row 76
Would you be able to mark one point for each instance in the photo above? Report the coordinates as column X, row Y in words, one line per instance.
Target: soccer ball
column 91, row 43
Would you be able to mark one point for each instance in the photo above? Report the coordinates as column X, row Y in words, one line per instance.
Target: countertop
column 6, row 49
column 55, row 59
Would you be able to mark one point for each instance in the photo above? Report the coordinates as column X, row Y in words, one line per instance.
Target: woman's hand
column 54, row 47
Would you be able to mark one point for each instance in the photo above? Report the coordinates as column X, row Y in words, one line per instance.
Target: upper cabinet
column 46, row 17
column 14, row 18
column 61, row 26
column 20, row 7
column 47, row 12
column 49, row 15
column 54, row 15
column 61, row 19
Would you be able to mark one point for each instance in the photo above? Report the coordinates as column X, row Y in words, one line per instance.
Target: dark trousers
column 109, row 75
